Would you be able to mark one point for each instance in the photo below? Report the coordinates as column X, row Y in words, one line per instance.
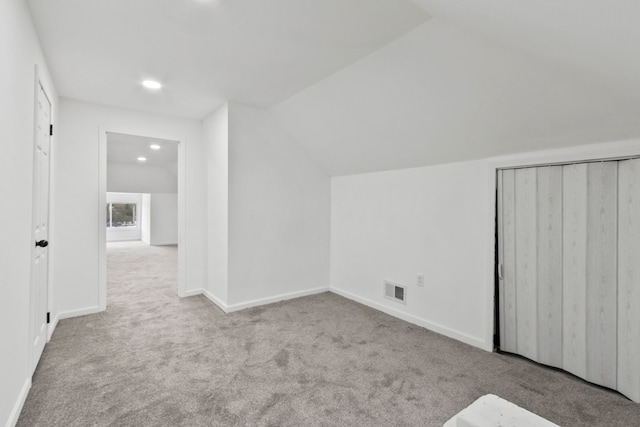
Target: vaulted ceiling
column 365, row 85
column 480, row 79
column 593, row 37
column 443, row 94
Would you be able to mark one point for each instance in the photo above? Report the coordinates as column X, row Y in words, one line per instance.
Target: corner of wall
column 215, row 131
column 220, row 303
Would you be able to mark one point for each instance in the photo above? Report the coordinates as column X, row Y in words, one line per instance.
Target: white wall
column 278, row 211
column 430, row 220
column 164, row 219
column 145, row 222
column 126, row 233
column 133, row 178
column 78, row 184
column 216, row 134
column 20, row 52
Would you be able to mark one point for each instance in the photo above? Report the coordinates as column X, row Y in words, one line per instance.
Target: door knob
column 42, row 243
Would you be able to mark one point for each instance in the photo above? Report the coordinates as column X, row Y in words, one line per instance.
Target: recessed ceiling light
column 151, row 84
column 154, row 146
column 142, row 159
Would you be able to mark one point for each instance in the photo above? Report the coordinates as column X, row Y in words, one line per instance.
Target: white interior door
column 40, row 261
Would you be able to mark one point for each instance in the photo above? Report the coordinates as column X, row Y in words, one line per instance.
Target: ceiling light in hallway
column 152, row 84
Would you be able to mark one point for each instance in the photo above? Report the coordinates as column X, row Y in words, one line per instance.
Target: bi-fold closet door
column 569, row 269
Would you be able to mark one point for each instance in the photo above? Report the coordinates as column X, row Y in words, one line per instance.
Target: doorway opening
column 141, row 210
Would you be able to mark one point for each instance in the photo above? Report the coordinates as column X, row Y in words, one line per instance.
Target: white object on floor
column 493, row 411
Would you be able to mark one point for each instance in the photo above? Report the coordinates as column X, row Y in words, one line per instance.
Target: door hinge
column 51, row 130
column 48, row 317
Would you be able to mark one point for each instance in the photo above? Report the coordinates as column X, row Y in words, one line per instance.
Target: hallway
column 138, row 274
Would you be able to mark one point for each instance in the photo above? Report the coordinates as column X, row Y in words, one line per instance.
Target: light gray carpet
column 155, row 360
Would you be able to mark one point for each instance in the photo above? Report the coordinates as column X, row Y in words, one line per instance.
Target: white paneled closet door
column 601, row 273
column 629, row 279
column 574, row 269
column 569, row 254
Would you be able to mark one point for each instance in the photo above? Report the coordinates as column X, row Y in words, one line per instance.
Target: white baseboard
column 52, row 326
column 68, row 314
column 192, row 292
column 271, row 300
column 451, row 333
column 79, row 312
column 448, row 332
column 262, row 301
column 217, row 301
column 211, row 297
column 17, row 408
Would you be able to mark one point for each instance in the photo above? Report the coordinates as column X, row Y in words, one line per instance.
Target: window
column 122, row 215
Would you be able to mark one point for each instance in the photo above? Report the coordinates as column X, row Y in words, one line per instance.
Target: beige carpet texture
column 153, row 359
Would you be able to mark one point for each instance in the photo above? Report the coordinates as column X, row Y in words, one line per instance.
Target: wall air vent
column 395, row 292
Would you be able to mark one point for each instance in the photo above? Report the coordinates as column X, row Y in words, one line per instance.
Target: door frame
column 39, row 83
column 582, row 153
column 102, row 200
